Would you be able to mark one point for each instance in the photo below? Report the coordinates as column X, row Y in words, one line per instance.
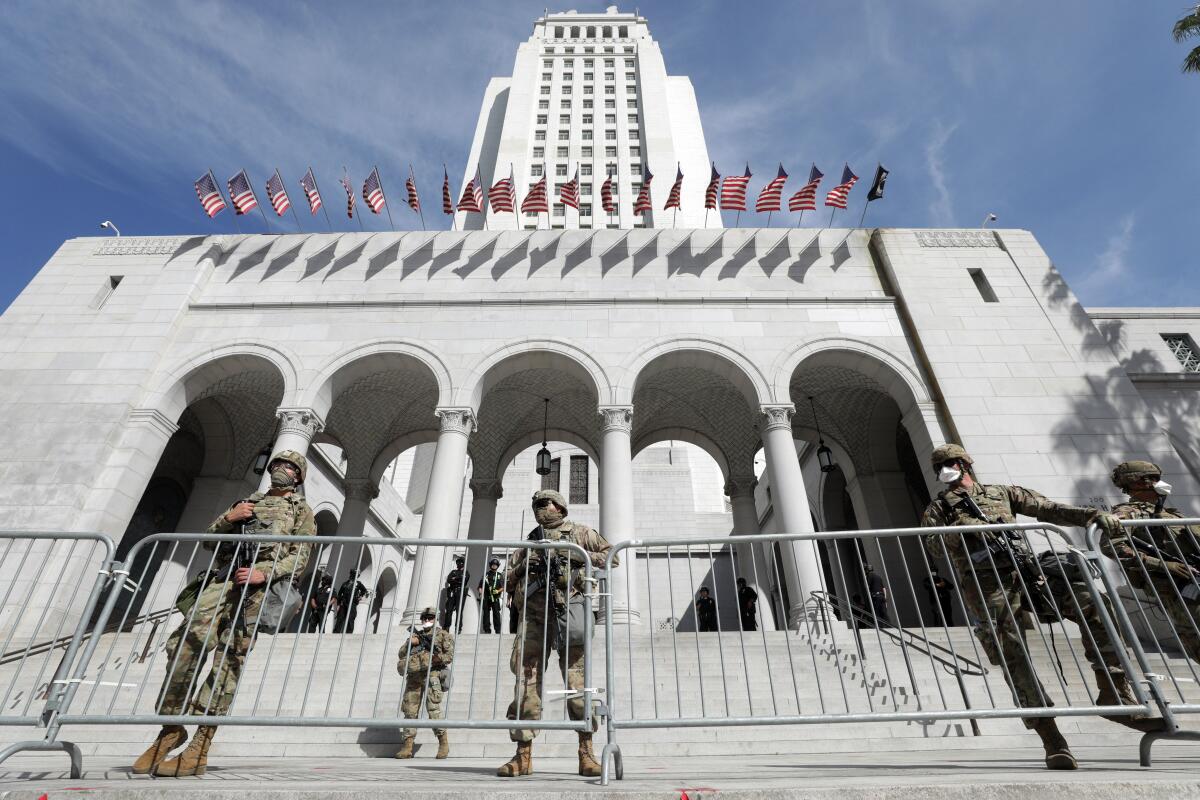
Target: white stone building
column 140, row 377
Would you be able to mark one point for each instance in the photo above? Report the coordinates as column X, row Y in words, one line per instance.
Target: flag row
column 726, row 193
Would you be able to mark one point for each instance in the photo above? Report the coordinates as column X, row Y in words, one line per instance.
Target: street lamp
column 824, row 454
column 107, row 225
column 543, row 455
column 989, row 218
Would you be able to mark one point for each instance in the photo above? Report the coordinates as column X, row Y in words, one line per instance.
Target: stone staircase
column 818, row 671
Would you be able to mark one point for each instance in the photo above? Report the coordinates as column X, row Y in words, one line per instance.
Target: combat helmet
column 949, row 451
column 295, row 459
column 1128, row 473
column 553, row 496
column 428, row 611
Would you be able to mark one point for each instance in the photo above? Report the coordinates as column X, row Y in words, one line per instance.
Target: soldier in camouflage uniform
column 1154, row 558
column 424, row 658
column 997, row 593
column 545, row 605
column 221, row 611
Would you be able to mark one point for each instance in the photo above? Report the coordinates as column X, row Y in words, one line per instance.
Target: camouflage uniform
column 1146, row 571
column 211, row 622
column 534, row 637
column 414, row 665
column 996, row 592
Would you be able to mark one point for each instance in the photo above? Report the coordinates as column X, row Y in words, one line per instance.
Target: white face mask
column 1162, row 488
column 949, row 475
column 426, row 624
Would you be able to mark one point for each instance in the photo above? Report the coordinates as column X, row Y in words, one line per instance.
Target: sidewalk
column 1104, row 773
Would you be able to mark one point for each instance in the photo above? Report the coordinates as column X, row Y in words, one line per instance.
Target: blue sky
column 1069, row 118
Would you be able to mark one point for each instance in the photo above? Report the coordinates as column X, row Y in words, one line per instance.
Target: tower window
column 106, row 290
column 623, row 32
column 608, row 31
column 579, row 480
column 551, row 481
column 984, row 286
column 558, row 32
column 1184, row 349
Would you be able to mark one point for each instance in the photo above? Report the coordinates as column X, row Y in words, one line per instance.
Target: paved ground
column 1105, row 773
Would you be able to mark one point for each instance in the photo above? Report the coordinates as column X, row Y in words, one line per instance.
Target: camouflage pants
column 209, row 627
column 530, row 654
column 435, row 699
column 1004, row 602
column 1184, row 615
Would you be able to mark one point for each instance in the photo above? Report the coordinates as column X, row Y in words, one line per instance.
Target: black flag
column 881, row 176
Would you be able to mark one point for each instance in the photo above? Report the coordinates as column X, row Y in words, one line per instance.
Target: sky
column 1068, row 118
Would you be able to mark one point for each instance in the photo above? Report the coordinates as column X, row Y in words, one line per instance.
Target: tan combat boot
column 587, row 760
column 1058, row 755
column 170, row 737
column 520, row 764
column 443, row 745
column 194, row 760
column 1122, row 696
column 406, row 747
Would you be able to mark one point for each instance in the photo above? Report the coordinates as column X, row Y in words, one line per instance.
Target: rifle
column 1011, row 546
column 546, row 571
column 1192, row 590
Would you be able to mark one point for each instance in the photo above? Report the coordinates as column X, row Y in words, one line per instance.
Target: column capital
column 740, row 486
column 302, row 422
column 456, row 420
column 486, row 489
column 154, row 420
column 616, row 418
column 361, row 489
column 778, row 416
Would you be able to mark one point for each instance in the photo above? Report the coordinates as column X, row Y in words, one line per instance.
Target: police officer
column 706, row 611
column 349, row 595
column 1155, row 559
column 220, row 611
column 423, row 661
column 747, row 605
column 546, row 587
column 998, row 576
column 456, row 579
column 491, row 590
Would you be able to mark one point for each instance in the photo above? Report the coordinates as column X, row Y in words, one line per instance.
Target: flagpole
column 706, row 210
column 290, row 204
column 738, row 220
column 831, row 213
column 801, row 218
column 254, row 194
column 346, row 172
column 232, row 207
column 866, row 205
column 420, row 213
column 386, row 206
column 324, row 208
column 445, row 187
column 484, row 202
column 769, row 213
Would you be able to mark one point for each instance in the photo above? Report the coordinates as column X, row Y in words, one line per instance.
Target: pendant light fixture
column 824, row 454
column 543, row 455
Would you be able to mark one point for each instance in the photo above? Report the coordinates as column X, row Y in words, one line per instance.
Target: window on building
column 547, row 63
column 588, row 62
column 628, row 49
column 587, row 134
column 550, row 481
column 561, row 152
column 635, row 168
column 589, row 89
column 631, row 103
column 539, row 152
column 629, row 62
column 633, row 119
column 543, row 105
column 609, row 63
column 545, row 90
column 106, row 290
column 585, row 210
column 539, row 136
column 984, row 286
column 608, row 31
column 610, row 76
column 610, row 152
column 587, row 104
column 1184, row 349
column 610, row 103
column 558, row 210
column 635, row 187
column 535, row 170
column 541, row 119
column 591, row 32
column 566, row 90
column 564, row 119
column 568, row 76
column 578, row 489
column 560, row 170
column 589, row 76
column 546, row 77
column 630, row 89
column 610, row 135
column 587, row 119
column 635, row 152
column 558, row 32
column 589, row 50
column 610, row 119
column 633, row 134
column 564, row 136
column 585, row 170
column 607, row 50
column 574, row 31
column 564, row 103
column 623, row 32
column 568, row 63
column 629, row 76
column 568, row 49
column 585, row 152
column 610, row 90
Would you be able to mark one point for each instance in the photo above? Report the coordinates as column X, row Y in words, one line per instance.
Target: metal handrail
column 63, row 641
column 922, row 644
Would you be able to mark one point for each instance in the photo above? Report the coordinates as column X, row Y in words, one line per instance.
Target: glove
column 1179, row 570
column 1109, row 524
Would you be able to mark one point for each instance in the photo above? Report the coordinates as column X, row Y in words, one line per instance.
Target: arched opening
column 383, row 603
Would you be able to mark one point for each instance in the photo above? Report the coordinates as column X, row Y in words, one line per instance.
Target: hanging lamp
column 824, row 454
column 543, row 455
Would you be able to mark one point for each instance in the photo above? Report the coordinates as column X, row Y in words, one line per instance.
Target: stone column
column 297, row 427
column 801, row 564
column 485, row 493
column 443, row 505
column 616, row 508
column 750, row 563
column 359, row 492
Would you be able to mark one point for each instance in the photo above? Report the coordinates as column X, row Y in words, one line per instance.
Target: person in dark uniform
column 349, row 595
column 941, row 595
column 491, row 591
column 456, row 579
column 747, row 605
column 879, row 597
column 706, row 611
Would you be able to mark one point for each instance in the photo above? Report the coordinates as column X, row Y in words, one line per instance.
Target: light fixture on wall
column 543, row 455
column 824, row 454
column 260, row 460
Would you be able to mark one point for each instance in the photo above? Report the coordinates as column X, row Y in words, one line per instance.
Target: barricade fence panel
column 217, row 659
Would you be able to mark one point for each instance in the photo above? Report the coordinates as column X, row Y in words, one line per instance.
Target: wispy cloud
column 1112, row 268
column 941, row 210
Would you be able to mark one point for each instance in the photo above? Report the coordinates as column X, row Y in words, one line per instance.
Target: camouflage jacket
column 416, row 658
column 273, row 516
column 589, row 539
column 1171, row 541
column 999, row 504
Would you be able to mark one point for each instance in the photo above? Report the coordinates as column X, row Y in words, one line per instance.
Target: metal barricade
column 900, row 652
column 1156, row 563
column 44, row 623
column 323, row 670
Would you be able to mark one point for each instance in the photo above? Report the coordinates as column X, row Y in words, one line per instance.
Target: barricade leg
column 70, row 748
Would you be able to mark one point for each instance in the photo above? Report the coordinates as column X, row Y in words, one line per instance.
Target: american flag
column 806, row 198
column 714, row 186
column 210, row 195
column 768, row 198
column 606, row 195
column 414, row 202
column 642, row 205
column 373, row 192
column 472, row 196
column 349, row 196
column 535, row 201
column 569, row 193
column 676, row 190
column 309, row 184
column 242, row 195
column 447, row 200
column 277, row 194
column 837, row 195
column 733, row 192
column 502, row 196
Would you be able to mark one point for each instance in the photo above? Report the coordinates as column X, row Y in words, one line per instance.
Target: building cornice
column 561, row 299
column 1144, row 313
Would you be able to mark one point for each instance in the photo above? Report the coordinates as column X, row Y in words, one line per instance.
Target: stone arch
column 182, row 385
column 516, row 356
column 319, row 393
column 535, row 437
column 902, row 378
column 395, row 448
column 326, row 515
column 688, row 435
column 715, row 355
column 385, row 588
